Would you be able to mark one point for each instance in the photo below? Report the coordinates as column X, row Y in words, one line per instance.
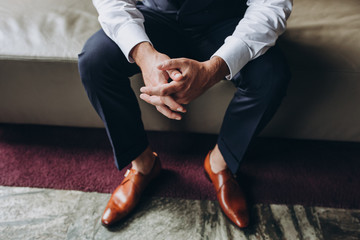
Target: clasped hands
column 190, row 79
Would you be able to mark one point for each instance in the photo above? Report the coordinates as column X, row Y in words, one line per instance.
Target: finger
column 168, row 113
column 175, row 74
column 172, row 104
column 162, row 90
column 156, row 90
column 153, row 100
column 171, row 64
column 168, row 101
column 183, row 101
column 165, row 77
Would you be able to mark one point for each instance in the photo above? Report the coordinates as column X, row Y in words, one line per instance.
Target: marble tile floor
column 34, row 213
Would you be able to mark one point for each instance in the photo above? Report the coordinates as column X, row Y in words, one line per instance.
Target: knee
column 278, row 68
column 267, row 74
column 98, row 56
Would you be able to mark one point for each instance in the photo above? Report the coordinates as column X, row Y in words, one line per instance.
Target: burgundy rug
column 312, row 173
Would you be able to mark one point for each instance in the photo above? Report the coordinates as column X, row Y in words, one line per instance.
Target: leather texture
column 229, row 194
column 40, row 84
column 127, row 195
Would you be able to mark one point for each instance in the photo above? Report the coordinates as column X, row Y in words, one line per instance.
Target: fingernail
column 178, row 118
column 160, row 65
column 179, row 109
column 142, row 89
column 177, row 75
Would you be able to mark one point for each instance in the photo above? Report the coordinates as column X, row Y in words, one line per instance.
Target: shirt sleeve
column 123, row 23
column 264, row 21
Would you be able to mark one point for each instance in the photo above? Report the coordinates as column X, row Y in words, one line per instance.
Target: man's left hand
column 196, row 78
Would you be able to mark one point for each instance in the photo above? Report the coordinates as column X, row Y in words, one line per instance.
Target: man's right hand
column 147, row 58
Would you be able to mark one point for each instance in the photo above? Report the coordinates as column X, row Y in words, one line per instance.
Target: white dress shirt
column 258, row 30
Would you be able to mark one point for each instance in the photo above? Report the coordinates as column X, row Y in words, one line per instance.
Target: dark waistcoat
column 199, row 12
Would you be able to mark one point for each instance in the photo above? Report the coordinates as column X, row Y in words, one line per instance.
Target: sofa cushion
column 45, row 29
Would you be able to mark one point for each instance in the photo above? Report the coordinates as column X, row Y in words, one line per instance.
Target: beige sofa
column 40, row 84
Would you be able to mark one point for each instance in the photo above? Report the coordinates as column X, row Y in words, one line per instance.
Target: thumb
column 169, row 64
column 175, row 74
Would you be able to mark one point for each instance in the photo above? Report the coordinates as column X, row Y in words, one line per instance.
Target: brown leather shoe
column 127, row 195
column 229, row 194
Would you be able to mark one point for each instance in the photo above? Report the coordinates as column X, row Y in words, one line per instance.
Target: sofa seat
column 40, row 84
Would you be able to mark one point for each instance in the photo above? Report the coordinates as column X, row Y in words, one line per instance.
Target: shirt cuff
column 235, row 53
column 129, row 36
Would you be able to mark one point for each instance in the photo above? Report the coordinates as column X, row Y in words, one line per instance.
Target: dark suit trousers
column 105, row 73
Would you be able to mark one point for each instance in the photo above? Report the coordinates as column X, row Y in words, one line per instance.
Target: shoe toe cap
column 111, row 217
column 241, row 219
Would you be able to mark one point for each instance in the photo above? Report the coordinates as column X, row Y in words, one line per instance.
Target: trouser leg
column 261, row 85
column 104, row 72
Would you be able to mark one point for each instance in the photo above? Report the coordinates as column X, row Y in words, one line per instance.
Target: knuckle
column 163, row 99
column 185, row 100
column 163, row 91
column 168, row 62
column 181, row 101
column 153, row 101
column 174, row 107
column 181, row 95
column 182, row 87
